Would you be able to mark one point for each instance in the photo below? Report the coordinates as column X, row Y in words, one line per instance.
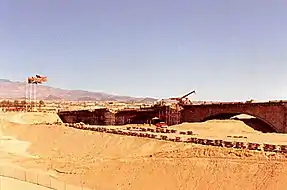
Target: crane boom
column 188, row 94
column 181, row 99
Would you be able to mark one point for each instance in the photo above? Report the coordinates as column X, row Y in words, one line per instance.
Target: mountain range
column 17, row 90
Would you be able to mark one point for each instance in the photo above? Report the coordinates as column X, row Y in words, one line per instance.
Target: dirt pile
column 189, row 173
column 30, row 117
column 221, row 126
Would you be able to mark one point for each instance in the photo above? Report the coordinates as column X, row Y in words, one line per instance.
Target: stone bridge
column 271, row 113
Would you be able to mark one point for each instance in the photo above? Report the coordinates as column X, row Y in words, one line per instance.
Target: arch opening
column 143, row 118
column 252, row 121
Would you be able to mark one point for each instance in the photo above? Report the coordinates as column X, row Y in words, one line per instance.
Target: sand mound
column 79, row 144
column 231, row 126
column 218, row 129
column 30, row 117
column 190, row 173
column 93, row 159
column 14, row 146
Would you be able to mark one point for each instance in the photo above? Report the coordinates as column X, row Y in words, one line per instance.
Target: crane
column 180, row 99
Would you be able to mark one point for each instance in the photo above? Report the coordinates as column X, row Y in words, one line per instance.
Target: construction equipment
column 159, row 123
column 183, row 99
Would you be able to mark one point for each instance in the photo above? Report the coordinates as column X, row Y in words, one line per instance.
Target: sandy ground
column 13, row 184
column 107, row 161
column 221, row 129
column 29, row 118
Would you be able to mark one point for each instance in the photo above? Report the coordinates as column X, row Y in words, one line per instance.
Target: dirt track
column 107, row 161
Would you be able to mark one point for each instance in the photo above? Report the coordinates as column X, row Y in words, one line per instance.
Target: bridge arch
column 258, row 123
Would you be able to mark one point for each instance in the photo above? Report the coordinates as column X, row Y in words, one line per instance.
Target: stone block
column 162, row 130
column 218, row 143
column 228, row 144
column 189, row 132
column 283, row 148
column 193, row 140
column 178, row 139
column 253, row 146
column 210, row 142
column 173, row 131
column 201, row 141
column 240, row 145
column 269, row 147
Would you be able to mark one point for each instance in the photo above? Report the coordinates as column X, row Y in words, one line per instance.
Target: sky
column 225, row 49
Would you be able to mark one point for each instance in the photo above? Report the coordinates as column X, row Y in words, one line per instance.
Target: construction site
column 167, row 111
column 171, row 144
column 174, row 111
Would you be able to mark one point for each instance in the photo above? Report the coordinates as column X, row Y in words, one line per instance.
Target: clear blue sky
column 224, row 49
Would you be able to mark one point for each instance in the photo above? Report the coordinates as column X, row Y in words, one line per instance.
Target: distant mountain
column 5, row 80
column 17, row 90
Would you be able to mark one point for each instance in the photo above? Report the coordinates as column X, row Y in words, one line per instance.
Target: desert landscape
column 98, row 160
column 104, row 143
column 143, row 95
